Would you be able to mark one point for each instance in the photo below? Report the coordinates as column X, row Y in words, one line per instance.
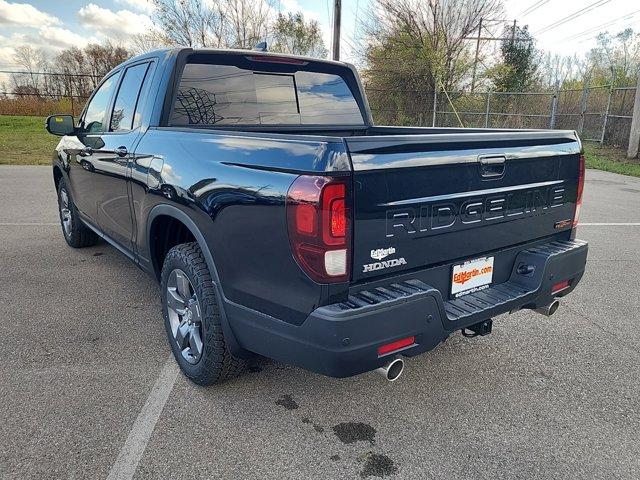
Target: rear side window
column 123, row 117
column 229, row 95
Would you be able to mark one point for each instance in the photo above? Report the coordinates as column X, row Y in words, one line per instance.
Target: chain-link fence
column 40, row 105
column 44, row 93
column 602, row 114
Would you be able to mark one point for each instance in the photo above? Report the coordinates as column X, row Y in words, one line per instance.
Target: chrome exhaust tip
column 392, row 370
column 550, row 309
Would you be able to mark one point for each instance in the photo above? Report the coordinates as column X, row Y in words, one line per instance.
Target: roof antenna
column 261, row 47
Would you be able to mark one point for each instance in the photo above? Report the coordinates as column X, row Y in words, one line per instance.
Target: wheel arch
column 160, row 211
column 57, row 176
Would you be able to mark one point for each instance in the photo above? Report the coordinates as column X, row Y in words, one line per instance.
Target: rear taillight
column 318, row 219
column 581, row 172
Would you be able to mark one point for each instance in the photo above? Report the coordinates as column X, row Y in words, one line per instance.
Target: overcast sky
column 56, row 24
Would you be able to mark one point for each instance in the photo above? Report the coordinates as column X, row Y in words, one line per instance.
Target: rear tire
column 192, row 318
column 76, row 233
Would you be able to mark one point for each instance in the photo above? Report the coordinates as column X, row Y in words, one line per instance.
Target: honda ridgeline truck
column 280, row 221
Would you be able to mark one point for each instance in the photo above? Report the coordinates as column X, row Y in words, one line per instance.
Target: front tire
column 76, row 233
column 192, row 318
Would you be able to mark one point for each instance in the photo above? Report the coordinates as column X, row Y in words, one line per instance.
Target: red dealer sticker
column 471, row 276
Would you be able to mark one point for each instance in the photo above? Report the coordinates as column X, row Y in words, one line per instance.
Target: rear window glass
column 229, row 95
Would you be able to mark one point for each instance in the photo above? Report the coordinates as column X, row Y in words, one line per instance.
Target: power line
column 530, row 7
column 350, row 42
column 512, row 37
column 591, row 38
column 606, row 24
column 576, row 14
column 533, row 7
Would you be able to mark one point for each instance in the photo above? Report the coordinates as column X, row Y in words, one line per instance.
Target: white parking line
column 29, row 224
column 136, row 442
column 609, row 224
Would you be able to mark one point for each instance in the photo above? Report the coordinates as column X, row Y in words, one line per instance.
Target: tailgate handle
column 492, row 166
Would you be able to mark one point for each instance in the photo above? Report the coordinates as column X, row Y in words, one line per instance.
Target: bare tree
column 616, row 57
column 416, row 47
column 72, row 72
column 102, row 58
column 248, row 21
column 431, row 33
column 190, row 23
column 292, row 34
column 69, row 63
column 556, row 70
column 214, row 23
column 31, row 61
column 149, row 41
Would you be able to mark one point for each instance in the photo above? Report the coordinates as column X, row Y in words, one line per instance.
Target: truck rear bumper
column 342, row 339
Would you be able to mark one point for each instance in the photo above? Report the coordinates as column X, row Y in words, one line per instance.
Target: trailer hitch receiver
column 481, row 328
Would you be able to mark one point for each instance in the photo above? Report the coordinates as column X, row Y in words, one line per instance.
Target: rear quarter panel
column 234, row 187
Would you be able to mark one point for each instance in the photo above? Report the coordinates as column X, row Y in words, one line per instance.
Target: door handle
column 121, row 151
column 492, row 160
column 86, row 152
column 492, row 166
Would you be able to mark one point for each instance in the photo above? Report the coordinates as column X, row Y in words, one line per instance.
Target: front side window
column 228, row 95
column 94, row 117
column 124, row 108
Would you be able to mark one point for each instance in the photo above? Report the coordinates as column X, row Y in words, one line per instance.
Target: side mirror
column 60, row 125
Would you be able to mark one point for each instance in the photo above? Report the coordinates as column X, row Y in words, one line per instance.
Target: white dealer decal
column 379, row 254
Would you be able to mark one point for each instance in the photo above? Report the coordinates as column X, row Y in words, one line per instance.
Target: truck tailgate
column 426, row 200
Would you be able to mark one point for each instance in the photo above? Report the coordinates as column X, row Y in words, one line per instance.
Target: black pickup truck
column 281, row 222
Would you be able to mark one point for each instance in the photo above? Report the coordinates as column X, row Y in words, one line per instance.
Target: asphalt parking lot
column 85, row 371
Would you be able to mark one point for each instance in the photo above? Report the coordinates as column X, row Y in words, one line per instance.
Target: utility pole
column 554, row 105
column 583, row 106
column 475, row 62
column 634, row 136
column 491, row 38
column 337, row 10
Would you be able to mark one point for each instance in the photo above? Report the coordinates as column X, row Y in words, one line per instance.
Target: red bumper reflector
column 397, row 345
column 558, row 287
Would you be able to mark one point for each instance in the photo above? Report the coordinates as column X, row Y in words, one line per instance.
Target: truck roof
column 174, row 51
